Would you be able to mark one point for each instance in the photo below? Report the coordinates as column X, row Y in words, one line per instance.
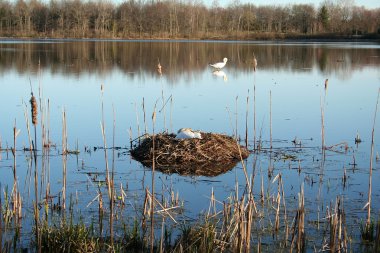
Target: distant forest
column 192, row 19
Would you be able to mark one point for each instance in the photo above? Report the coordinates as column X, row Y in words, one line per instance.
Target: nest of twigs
column 212, row 155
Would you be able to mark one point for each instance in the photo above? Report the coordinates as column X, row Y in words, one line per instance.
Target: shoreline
column 292, row 38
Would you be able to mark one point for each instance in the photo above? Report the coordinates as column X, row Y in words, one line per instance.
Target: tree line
column 183, row 19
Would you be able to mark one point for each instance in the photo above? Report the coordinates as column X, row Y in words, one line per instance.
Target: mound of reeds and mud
column 212, row 155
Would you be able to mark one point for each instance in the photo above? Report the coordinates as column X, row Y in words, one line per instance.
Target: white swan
column 188, row 133
column 219, row 65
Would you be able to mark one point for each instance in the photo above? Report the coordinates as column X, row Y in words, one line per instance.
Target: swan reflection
column 221, row 74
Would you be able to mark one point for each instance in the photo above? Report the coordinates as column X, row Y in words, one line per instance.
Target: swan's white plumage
column 219, row 65
column 188, row 133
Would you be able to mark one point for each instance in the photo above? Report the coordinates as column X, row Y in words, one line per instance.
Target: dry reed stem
column 27, row 127
column 259, row 246
column 162, row 235
column 212, row 205
column 270, row 117
column 100, row 210
column 145, row 126
column 299, row 224
column 171, row 113
column 35, row 206
column 262, row 196
column 246, row 122
column 153, row 190
column 163, row 109
column 48, row 124
column 16, row 195
column 371, row 164
column 111, row 201
column 333, row 221
column 164, row 209
column 146, row 212
column 277, row 220
column 236, row 117
column 137, row 120
column 64, row 158
column 322, row 125
column 1, row 223
column 285, row 213
column 106, row 159
column 377, row 238
column 254, row 117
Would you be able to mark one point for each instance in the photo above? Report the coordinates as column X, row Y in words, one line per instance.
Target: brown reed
column 163, row 109
column 323, row 126
column 246, row 122
column 338, row 233
column 16, row 195
column 145, row 126
column 299, row 224
column 236, row 117
column 377, row 238
column 254, row 117
column 270, row 117
column 171, row 113
column 111, row 201
column 64, row 158
column 27, row 127
column 33, row 103
column 371, row 165
column 137, row 120
column 1, row 224
column 153, row 188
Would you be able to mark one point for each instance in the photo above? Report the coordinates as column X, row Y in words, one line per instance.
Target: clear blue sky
column 370, row 4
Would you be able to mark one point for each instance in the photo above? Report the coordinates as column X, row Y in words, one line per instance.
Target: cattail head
column 33, row 103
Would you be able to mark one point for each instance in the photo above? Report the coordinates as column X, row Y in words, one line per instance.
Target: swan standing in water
column 219, row 65
column 188, row 133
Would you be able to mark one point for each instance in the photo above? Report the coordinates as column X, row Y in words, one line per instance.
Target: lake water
column 289, row 89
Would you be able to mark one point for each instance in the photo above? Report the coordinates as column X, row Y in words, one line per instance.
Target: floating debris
column 212, row 155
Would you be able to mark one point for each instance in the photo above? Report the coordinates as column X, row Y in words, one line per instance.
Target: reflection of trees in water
column 179, row 59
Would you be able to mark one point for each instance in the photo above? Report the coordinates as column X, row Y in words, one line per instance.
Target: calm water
column 69, row 74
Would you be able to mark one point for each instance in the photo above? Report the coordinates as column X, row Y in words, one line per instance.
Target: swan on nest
column 188, row 133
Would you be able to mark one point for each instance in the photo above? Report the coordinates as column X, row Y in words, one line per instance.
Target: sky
column 370, row 4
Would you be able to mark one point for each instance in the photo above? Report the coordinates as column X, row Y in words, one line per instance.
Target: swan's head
column 225, row 59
